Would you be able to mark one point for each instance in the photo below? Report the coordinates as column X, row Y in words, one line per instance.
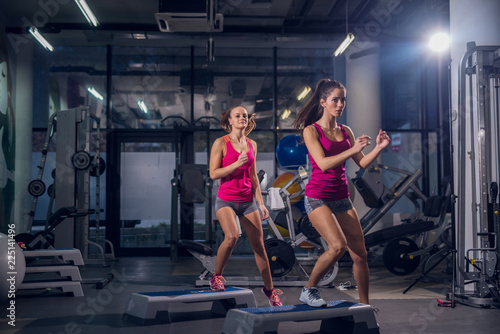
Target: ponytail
column 313, row 110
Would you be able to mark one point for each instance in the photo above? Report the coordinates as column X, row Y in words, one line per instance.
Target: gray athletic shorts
column 337, row 207
column 241, row 208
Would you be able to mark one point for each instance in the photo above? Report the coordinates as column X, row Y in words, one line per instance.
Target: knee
column 231, row 239
column 359, row 257
column 337, row 249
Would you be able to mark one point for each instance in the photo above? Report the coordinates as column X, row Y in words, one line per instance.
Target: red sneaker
column 216, row 283
column 272, row 295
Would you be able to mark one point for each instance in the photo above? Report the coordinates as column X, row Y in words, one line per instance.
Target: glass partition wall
column 161, row 108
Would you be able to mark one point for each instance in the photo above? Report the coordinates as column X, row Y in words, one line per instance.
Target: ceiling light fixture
column 286, row 113
column 82, row 4
column 349, row 38
column 139, row 36
column 96, row 94
column 40, row 38
column 142, row 105
column 304, row 92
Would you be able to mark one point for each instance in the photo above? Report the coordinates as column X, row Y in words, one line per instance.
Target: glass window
column 146, row 169
column 401, row 104
column 148, row 85
column 410, row 151
column 69, row 78
column 237, row 76
column 298, row 72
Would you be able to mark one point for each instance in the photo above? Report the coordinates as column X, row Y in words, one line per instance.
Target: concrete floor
column 101, row 310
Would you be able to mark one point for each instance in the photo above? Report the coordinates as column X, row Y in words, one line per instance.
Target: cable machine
column 478, row 248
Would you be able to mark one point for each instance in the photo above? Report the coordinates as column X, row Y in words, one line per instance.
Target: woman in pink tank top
column 327, row 202
column 232, row 160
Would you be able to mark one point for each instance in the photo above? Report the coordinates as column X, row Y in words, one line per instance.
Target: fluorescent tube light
column 139, row 36
column 95, row 93
column 348, row 40
column 82, row 4
column 40, row 39
column 304, row 92
column 142, row 105
column 286, row 113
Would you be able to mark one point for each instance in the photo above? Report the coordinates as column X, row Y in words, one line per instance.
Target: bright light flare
column 439, row 42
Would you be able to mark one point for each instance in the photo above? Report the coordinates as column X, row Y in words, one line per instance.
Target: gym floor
column 101, row 310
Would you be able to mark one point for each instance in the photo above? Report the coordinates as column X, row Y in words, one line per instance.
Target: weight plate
column 81, row 160
column 307, row 228
column 327, row 280
column 36, row 188
column 53, row 173
column 281, row 256
column 93, row 168
column 51, row 191
column 396, row 259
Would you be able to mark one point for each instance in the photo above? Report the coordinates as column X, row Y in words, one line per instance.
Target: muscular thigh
column 327, row 226
column 227, row 220
column 351, row 226
column 252, row 225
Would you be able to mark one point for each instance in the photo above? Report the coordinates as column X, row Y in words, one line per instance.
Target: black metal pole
column 453, row 197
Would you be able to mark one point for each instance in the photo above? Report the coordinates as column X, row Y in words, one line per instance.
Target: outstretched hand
column 361, row 142
column 383, row 139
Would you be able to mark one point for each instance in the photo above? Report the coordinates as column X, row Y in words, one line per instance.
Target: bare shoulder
column 254, row 144
column 310, row 131
column 348, row 130
column 218, row 143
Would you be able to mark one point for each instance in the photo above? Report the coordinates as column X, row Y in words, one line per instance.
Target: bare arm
column 256, row 185
column 325, row 163
column 218, row 172
column 364, row 161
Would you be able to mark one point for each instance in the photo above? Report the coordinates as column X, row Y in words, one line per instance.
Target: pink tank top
column 330, row 185
column 237, row 186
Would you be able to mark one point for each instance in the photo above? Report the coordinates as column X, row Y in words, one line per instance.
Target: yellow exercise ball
column 283, row 231
column 283, row 179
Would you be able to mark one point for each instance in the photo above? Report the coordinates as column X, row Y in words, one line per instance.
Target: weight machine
column 191, row 184
column 74, row 166
column 477, row 261
column 402, row 254
column 380, row 199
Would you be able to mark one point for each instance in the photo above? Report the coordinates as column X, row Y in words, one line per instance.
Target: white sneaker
column 311, row 297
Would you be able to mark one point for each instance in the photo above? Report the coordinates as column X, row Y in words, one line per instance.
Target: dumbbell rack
column 53, row 269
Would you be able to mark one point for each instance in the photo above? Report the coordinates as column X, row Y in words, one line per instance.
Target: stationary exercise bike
column 280, row 248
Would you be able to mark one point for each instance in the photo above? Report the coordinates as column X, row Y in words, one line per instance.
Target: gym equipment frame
column 74, row 166
column 381, row 199
column 477, row 265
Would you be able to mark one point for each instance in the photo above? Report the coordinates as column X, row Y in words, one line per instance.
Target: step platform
column 66, row 286
column 148, row 308
column 72, row 272
column 68, row 254
column 338, row 316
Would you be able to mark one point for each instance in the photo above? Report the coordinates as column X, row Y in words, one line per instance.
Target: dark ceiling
column 378, row 20
column 247, row 29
